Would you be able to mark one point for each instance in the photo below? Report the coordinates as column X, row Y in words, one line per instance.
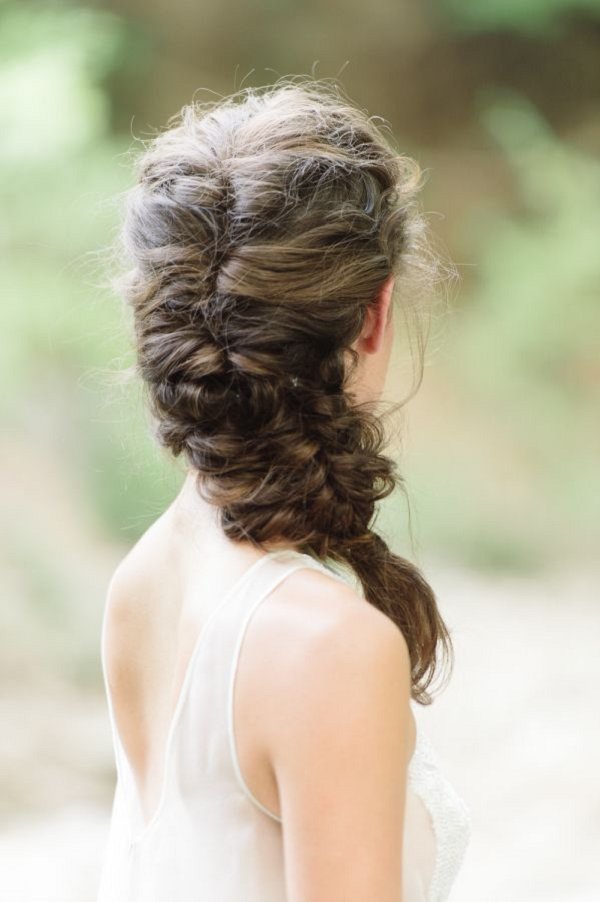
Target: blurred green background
column 499, row 102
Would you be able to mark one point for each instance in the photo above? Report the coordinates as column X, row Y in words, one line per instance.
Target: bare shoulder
column 124, row 598
column 357, row 630
column 122, row 621
column 128, row 606
column 135, row 574
column 340, row 737
column 328, row 644
column 335, row 624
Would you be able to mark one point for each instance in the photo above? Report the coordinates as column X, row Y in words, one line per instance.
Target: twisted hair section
column 258, row 231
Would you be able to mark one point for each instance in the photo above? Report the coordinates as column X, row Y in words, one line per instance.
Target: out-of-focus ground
column 517, row 731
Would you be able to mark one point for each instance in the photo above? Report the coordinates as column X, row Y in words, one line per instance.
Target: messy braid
column 259, row 230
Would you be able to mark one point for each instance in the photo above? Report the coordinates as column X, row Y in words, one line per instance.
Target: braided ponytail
column 260, row 229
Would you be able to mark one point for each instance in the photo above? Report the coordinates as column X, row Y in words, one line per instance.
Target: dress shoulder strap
column 281, row 564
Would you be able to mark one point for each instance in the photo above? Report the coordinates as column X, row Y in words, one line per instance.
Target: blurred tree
column 525, row 348
column 61, row 177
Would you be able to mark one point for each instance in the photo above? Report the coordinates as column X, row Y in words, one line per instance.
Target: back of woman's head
column 259, row 230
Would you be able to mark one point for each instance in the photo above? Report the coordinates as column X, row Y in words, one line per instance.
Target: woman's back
column 192, row 828
column 263, row 239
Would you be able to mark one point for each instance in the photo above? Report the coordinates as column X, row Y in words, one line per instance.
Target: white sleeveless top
column 210, row 839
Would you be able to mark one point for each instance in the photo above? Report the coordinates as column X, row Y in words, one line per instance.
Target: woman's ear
column 377, row 318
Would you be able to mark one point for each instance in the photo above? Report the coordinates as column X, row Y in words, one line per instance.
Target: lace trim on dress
column 449, row 814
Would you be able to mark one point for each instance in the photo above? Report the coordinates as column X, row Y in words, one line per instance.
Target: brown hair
column 259, row 230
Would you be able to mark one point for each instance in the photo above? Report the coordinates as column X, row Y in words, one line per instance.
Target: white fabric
column 210, row 839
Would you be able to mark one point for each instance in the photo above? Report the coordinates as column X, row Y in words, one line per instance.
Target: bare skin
column 330, row 751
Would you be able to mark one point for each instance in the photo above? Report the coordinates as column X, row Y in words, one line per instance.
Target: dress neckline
column 147, row 825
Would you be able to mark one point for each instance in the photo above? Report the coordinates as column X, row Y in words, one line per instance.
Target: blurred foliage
column 523, row 357
column 61, row 174
column 515, row 15
column 532, row 332
column 527, row 346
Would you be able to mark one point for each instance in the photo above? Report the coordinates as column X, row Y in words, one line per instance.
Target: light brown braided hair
column 258, row 231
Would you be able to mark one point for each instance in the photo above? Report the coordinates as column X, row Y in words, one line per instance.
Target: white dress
column 210, row 839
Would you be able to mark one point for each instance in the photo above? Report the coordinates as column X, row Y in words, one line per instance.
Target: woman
column 264, row 238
